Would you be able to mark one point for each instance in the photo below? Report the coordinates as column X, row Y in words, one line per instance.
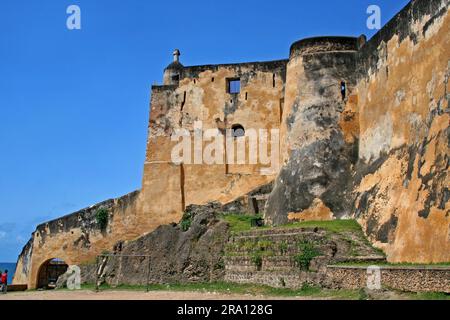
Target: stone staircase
column 291, row 257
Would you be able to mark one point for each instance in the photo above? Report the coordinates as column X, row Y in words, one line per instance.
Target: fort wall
column 379, row 153
column 402, row 178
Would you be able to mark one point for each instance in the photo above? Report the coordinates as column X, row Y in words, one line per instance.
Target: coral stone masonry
column 362, row 130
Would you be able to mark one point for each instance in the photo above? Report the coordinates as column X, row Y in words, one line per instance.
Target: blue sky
column 74, row 105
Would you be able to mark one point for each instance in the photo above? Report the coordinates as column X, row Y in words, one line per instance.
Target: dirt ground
column 133, row 295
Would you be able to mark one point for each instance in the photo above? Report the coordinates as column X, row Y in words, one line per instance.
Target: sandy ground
column 133, row 295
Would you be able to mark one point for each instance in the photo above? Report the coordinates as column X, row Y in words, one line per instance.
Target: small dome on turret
column 176, row 61
column 173, row 72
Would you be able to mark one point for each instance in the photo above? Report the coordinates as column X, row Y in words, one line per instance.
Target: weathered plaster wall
column 402, row 180
column 77, row 238
column 381, row 155
column 318, row 133
column 201, row 95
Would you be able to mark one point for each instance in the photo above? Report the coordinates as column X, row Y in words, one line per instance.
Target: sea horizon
column 11, row 267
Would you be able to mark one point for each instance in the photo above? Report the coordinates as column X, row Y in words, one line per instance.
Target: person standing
column 4, row 281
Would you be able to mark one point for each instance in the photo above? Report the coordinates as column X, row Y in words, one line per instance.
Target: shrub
column 101, row 216
column 257, row 260
column 307, row 252
column 283, row 246
column 186, row 222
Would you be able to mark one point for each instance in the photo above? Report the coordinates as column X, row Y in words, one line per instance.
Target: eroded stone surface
column 380, row 155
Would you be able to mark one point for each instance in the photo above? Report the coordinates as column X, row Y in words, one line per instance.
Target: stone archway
column 49, row 272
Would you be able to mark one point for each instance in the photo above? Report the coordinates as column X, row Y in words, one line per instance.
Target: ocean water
column 11, row 267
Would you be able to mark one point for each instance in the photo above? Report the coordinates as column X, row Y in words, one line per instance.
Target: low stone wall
column 277, row 279
column 271, row 257
column 413, row 279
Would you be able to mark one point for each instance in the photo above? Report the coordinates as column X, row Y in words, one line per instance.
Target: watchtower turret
column 174, row 71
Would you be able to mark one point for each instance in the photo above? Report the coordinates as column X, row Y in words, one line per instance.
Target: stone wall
column 77, row 238
column 402, row 177
column 381, row 155
column 292, row 257
column 201, row 95
column 410, row 279
column 170, row 254
column 279, row 266
column 319, row 152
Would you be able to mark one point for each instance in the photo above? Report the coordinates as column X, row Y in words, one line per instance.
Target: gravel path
column 134, row 295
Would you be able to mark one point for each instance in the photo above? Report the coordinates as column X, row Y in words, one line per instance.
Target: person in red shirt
column 4, row 281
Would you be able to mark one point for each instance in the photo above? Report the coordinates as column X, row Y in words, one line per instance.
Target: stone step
column 274, row 234
column 274, row 231
column 362, row 259
column 276, row 263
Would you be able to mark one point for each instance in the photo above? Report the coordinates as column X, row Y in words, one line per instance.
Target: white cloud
column 20, row 239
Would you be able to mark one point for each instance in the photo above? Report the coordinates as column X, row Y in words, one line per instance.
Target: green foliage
column 239, row 222
column 219, row 265
column 102, row 216
column 186, row 221
column 362, row 294
column 283, row 247
column 257, row 259
column 431, row 296
column 264, row 245
column 307, row 252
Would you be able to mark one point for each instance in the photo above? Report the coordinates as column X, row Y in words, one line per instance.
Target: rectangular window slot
column 184, row 101
column 281, row 110
column 234, row 86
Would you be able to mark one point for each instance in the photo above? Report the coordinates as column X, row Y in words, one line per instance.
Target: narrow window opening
column 184, row 101
column 273, row 80
column 281, row 110
column 212, row 79
column 234, row 86
column 343, row 90
column 182, row 187
column 246, row 96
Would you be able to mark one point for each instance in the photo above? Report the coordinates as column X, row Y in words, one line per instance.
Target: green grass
column 242, row 222
column 430, row 296
column 341, row 227
column 337, row 226
column 261, row 290
column 239, row 222
column 231, row 288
